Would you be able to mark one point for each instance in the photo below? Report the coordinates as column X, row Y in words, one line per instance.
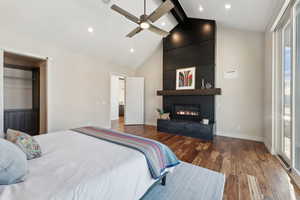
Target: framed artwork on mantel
column 185, row 78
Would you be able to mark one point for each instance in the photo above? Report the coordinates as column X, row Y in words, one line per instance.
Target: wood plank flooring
column 252, row 173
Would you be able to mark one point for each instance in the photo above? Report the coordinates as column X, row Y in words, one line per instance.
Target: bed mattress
column 76, row 166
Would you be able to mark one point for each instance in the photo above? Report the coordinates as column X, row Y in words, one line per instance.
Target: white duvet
column 78, row 167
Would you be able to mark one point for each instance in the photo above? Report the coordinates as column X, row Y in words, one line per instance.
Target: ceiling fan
column 146, row 21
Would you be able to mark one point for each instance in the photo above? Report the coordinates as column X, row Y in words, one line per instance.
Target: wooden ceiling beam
column 178, row 11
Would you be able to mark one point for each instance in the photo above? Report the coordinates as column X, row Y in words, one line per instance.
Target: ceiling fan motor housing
column 143, row 18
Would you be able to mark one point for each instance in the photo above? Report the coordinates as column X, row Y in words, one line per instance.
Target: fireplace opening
column 186, row 112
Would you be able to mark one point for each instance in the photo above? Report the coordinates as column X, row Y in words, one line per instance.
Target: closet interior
column 25, row 94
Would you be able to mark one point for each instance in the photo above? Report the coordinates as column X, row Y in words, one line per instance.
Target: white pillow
column 13, row 163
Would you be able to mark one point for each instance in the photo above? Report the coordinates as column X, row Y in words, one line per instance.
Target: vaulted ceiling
column 254, row 15
column 66, row 23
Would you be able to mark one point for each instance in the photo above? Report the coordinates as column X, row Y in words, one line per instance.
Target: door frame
column 294, row 15
column 280, row 149
column 47, row 61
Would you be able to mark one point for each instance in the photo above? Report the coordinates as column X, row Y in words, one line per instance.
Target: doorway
column 117, row 106
column 24, row 94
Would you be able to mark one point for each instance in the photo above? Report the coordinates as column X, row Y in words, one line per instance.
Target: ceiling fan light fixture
column 145, row 25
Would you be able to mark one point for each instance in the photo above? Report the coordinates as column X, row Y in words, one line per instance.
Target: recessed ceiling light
column 201, row 8
column 163, row 23
column 132, row 50
column 227, row 6
column 90, row 29
column 176, row 37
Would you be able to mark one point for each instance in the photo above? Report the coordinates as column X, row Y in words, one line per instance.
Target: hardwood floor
column 252, row 173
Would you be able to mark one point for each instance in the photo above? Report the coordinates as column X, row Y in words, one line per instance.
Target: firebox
column 189, row 112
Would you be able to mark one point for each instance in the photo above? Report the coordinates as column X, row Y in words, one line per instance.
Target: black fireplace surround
column 190, row 44
column 187, row 128
column 185, row 119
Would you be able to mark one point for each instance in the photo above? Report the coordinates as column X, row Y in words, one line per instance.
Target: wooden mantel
column 198, row 92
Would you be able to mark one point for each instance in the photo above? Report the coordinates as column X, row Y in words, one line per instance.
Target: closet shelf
column 19, row 78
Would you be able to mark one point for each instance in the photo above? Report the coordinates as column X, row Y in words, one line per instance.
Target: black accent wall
column 190, row 44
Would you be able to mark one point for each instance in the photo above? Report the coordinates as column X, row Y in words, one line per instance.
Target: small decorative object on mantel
column 208, row 85
column 205, row 121
column 185, row 78
column 203, row 84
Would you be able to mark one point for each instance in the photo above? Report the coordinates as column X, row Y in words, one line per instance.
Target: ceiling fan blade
column 134, row 32
column 125, row 14
column 162, row 10
column 159, row 31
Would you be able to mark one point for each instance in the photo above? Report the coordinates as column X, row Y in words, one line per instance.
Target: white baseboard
column 240, row 136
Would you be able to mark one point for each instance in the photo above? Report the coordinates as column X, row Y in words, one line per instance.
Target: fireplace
column 188, row 107
column 190, row 112
column 186, row 120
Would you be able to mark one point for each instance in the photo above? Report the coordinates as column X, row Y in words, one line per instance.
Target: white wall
column 114, row 95
column 78, row 84
column 152, row 71
column 240, row 109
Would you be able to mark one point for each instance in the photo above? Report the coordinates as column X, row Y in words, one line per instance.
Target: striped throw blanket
column 159, row 157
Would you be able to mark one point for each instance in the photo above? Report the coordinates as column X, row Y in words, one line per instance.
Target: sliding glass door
column 286, row 87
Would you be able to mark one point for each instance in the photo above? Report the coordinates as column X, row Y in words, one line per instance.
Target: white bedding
column 78, row 167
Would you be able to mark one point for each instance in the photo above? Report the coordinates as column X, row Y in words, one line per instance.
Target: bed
column 81, row 167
